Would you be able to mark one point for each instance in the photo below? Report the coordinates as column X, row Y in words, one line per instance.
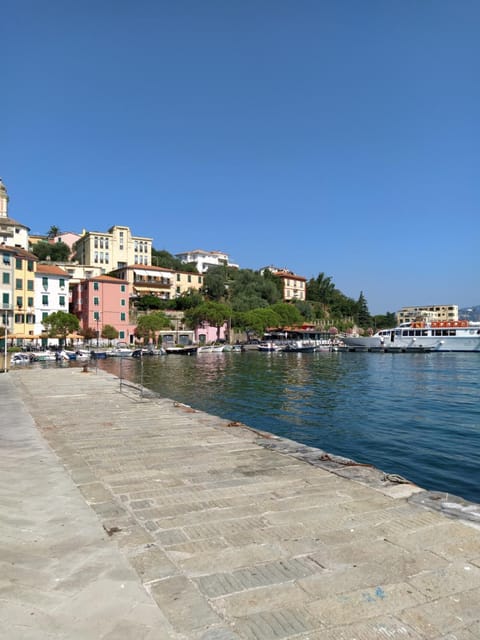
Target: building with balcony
column 205, row 259
column 101, row 301
column 159, row 281
column 436, row 312
column 114, row 249
column 51, row 293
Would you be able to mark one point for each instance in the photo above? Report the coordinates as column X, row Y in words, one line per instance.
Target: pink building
column 101, row 301
column 206, row 334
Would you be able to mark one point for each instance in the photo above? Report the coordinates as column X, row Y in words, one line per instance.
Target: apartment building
column 51, row 293
column 114, row 249
column 205, row 259
column 439, row 312
column 164, row 283
column 18, row 274
column 102, row 301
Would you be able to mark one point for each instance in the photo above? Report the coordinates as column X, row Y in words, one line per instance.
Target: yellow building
column 438, row 312
column 294, row 287
column 24, row 265
column 114, row 249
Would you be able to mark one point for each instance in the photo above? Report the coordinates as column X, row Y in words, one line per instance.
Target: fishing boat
column 182, row 351
column 452, row 335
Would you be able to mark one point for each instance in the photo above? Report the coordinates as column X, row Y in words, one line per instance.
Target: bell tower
column 3, row 200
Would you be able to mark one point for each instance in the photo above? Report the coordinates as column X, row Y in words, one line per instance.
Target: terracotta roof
column 52, row 269
column 11, row 221
column 18, row 251
column 107, row 279
column 287, row 274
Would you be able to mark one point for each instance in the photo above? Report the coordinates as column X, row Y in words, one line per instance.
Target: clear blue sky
column 336, row 136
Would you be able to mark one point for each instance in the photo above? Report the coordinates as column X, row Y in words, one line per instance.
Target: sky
column 325, row 136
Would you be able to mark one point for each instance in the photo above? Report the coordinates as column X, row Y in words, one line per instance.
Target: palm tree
column 53, row 232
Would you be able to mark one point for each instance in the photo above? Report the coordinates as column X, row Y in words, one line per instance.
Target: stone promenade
column 128, row 517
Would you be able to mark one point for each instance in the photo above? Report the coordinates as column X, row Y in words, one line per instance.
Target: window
column 122, row 302
column 19, row 284
column 122, row 288
column 45, row 299
column 95, row 286
column 6, row 278
column 199, row 279
column 18, row 263
column 122, row 316
column 61, row 301
column 44, row 315
column 121, row 335
column 189, row 278
column 96, row 315
column 30, row 285
column 19, row 302
column 19, row 318
column 178, row 289
column 30, row 302
column 178, row 277
column 62, row 283
column 45, row 282
column 6, row 258
column 30, row 318
column 95, row 301
column 6, row 300
column 30, row 265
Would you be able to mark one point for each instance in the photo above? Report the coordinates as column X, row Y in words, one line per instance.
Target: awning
column 153, row 274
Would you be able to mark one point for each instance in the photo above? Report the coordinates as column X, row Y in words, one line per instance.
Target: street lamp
column 98, row 318
column 5, row 333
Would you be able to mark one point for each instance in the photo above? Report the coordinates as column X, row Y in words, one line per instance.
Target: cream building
column 113, row 250
column 439, row 312
column 164, row 283
column 294, row 287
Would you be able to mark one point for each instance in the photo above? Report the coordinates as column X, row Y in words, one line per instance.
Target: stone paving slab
column 129, row 516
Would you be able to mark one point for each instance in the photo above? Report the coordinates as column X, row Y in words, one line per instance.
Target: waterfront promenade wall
column 129, row 516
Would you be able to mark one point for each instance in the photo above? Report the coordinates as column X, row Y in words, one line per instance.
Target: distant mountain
column 470, row 313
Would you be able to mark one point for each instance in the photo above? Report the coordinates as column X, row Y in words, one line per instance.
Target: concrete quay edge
column 139, row 517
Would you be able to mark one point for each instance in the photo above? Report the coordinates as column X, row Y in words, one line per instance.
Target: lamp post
column 5, row 334
column 98, row 318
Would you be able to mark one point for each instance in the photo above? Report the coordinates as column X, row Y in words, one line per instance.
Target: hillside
column 470, row 313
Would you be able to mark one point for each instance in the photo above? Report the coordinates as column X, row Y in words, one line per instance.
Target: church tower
column 3, row 200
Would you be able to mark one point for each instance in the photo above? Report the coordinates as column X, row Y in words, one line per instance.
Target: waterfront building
column 51, row 295
column 294, row 287
column 161, row 282
column 23, row 293
column 100, row 301
column 438, row 312
column 12, row 232
column 113, row 249
column 205, row 259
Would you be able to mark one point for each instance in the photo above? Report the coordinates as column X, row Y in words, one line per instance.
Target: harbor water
column 416, row 415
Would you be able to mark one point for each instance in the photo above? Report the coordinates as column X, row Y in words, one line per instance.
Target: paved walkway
column 124, row 517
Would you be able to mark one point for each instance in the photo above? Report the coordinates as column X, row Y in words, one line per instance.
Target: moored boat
column 182, row 351
column 453, row 335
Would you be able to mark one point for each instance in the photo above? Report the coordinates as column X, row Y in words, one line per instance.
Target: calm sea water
column 417, row 415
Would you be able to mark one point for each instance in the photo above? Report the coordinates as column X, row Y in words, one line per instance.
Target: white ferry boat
column 458, row 335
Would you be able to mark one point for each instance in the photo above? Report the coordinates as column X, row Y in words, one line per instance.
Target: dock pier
column 125, row 515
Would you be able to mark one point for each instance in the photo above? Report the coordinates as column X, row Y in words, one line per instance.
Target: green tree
column 56, row 251
column 150, row 302
column 258, row 320
column 149, row 325
column 288, row 314
column 109, row 333
column 364, row 318
column 215, row 313
column 59, row 324
column 188, row 300
column 214, row 282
